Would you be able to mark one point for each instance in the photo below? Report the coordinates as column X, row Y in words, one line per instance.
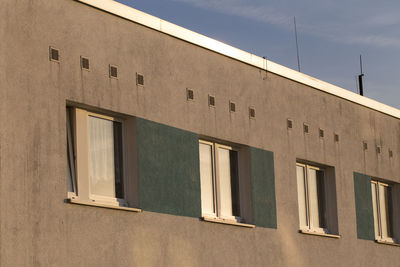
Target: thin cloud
column 260, row 13
column 377, row 40
column 371, row 29
column 384, row 20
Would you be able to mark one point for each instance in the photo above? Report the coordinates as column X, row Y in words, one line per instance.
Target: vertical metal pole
column 297, row 44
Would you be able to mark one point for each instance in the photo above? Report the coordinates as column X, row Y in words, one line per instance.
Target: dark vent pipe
column 360, row 78
column 360, row 84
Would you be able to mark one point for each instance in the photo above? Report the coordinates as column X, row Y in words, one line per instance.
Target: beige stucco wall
column 38, row 229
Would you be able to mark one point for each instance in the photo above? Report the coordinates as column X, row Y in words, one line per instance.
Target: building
column 109, row 117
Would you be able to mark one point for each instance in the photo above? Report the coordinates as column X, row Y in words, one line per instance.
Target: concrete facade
column 37, row 227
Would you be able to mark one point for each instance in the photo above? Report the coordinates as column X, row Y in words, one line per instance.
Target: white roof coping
column 174, row 30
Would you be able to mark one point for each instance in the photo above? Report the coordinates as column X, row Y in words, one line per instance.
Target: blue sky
column 331, row 34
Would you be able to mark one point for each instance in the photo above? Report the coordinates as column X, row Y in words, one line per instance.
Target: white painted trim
column 225, row 221
column 158, row 24
column 101, row 205
column 307, row 232
column 392, row 243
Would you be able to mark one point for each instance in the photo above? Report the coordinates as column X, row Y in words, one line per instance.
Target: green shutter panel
column 263, row 187
column 168, row 169
column 364, row 212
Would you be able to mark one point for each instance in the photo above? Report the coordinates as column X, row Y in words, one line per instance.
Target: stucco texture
column 37, row 228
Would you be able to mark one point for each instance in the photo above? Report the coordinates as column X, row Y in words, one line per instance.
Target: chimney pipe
column 360, row 78
column 360, row 83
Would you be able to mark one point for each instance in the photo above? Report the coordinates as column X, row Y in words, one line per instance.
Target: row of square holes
column 252, row 114
column 306, row 129
column 378, row 149
column 336, row 137
column 54, row 55
column 211, row 103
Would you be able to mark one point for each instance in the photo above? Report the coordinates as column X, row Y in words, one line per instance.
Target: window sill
column 307, row 232
column 229, row 222
column 100, row 205
column 390, row 243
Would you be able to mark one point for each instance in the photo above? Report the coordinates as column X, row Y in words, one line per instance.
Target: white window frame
column 310, row 224
column 380, row 218
column 80, row 169
column 216, row 182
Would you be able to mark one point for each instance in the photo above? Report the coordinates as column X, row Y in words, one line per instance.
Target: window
column 316, row 199
column 382, row 205
column 219, row 178
column 95, row 158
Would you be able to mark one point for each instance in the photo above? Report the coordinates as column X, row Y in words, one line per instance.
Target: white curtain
column 301, row 191
column 313, row 198
column 375, row 208
column 383, row 204
column 225, row 190
column 101, row 157
column 206, row 179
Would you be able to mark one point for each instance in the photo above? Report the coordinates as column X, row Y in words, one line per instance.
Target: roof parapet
column 176, row 31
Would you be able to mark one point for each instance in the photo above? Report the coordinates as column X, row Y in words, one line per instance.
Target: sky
column 331, row 35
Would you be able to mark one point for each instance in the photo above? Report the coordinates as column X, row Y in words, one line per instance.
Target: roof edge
column 174, row 30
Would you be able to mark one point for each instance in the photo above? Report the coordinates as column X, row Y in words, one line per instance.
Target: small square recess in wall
column 85, row 65
column 306, row 128
column 252, row 113
column 139, row 79
column 232, row 106
column 211, row 101
column 336, row 137
column 365, row 145
column 321, row 133
column 289, row 123
column 113, row 71
column 54, row 54
column 189, row 94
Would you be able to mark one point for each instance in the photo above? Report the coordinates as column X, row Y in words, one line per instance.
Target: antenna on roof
column 297, row 44
column 266, row 68
column 360, row 78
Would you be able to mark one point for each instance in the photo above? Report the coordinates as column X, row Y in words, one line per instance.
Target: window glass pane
column 313, row 198
column 206, row 179
column 101, row 157
column 389, row 210
column 119, row 184
column 375, row 209
column 301, row 191
column 321, row 198
column 71, row 181
column 224, row 175
column 235, row 183
column 383, row 210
